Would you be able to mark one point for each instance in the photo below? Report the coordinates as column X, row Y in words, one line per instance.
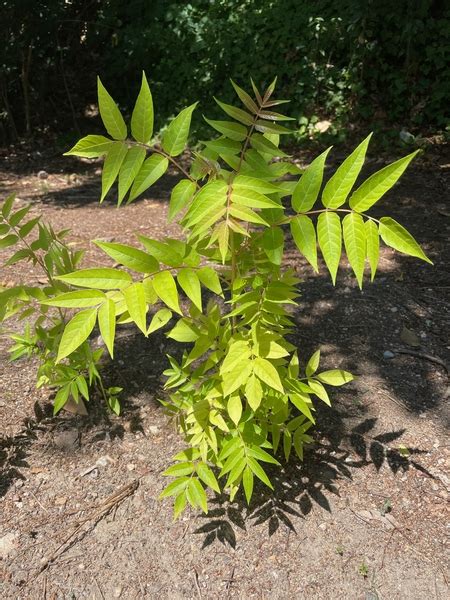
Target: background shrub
column 347, row 61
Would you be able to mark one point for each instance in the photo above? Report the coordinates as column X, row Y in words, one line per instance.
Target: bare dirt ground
column 361, row 518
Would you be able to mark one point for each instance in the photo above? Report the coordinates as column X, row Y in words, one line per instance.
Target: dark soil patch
column 360, row 518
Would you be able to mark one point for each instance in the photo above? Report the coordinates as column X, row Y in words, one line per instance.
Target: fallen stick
column 429, row 357
column 104, row 508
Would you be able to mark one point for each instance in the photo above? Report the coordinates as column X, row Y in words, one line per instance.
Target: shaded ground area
column 363, row 517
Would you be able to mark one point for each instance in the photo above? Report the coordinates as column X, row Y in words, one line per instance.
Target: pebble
column 131, row 467
column 8, row 544
column 394, row 309
column 153, row 429
column 42, row 175
column 388, row 354
column 117, row 592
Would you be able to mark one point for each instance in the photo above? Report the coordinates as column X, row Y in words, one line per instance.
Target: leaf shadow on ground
column 298, row 487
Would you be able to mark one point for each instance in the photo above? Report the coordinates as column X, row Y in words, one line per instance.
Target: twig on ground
column 196, row 584
column 104, row 509
column 429, row 357
column 99, row 589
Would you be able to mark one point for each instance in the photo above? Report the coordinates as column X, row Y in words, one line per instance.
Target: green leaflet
column 107, row 324
column 196, row 495
column 112, row 165
column 234, row 131
column 235, row 113
column 313, row 364
column 176, row 135
column 339, row 185
column 232, row 381
column 79, row 299
column 308, row 187
column 209, row 278
column 270, row 127
column 7, row 205
column 208, row 477
column 184, row 332
column 244, row 196
column 247, row 215
column 300, row 401
column 130, row 257
column 142, row 117
column 354, row 233
column 379, row 183
column 110, row 114
column 260, row 143
column 224, row 145
column 253, row 184
column 91, row 146
column 151, row 170
column 267, row 373
column 162, row 251
column 190, row 284
column 103, row 279
column 245, row 98
column 166, row 288
column 335, row 377
column 8, row 240
column 259, row 472
column 396, row 236
column 160, row 318
column 129, row 169
column 77, row 330
column 247, row 481
column 330, row 240
column 273, row 244
column 181, row 195
column 253, row 392
column 234, row 408
column 372, row 246
column 211, row 196
column 304, row 235
column 136, row 305
column 237, row 352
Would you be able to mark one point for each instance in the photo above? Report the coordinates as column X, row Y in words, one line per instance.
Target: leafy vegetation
column 346, row 61
column 239, row 395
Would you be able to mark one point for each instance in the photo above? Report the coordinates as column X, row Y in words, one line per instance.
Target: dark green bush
column 383, row 62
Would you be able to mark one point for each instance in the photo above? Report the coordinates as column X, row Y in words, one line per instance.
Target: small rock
column 388, row 354
column 104, row 460
column 42, row 175
column 409, row 337
column 66, row 440
column 153, row 429
column 131, row 467
column 323, row 526
column 394, row 309
column 8, row 544
column 60, row 500
column 117, row 592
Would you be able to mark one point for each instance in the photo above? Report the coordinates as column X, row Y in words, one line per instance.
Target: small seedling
column 363, row 570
